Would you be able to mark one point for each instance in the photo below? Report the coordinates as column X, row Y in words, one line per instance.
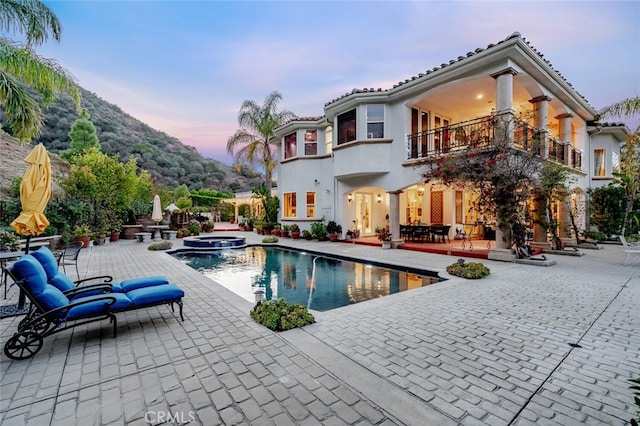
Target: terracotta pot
column 295, row 235
column 84, row 241
column 115, row 236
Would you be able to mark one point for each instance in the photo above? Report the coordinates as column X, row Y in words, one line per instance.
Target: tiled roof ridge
column 461, row 58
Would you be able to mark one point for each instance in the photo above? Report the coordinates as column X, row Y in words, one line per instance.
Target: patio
column 513, row 348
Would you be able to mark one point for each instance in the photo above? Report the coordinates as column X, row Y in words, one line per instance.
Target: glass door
column 363, row 212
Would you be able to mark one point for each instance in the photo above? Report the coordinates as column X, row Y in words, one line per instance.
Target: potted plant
column 179, row 233
column 334, row 230
column 267, row 228
column 115, row 231
column 194, row 227
column 307, row 235
column 249, row 224
column 9, row 241
column 277, row 230
column 384, row 236
column 209, row 226
column 284, row 232
column 81, row 233
column 319, row 231
column 295, row 231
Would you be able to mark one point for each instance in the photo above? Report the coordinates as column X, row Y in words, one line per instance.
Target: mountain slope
column 167, row 159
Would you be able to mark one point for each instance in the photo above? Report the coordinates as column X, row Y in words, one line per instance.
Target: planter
column 277, row 232
column 83, row 240
column 386, row 245
column 266, row 231
column 284, row 234
column 115, row 236
column 333, row 237
column 295, row 235
column 129, row 231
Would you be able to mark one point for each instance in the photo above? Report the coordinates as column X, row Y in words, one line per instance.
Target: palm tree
column 20, row 65
column 629, row 175
column 253, row 143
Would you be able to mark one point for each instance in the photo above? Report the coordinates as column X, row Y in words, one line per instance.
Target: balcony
column 480, row 132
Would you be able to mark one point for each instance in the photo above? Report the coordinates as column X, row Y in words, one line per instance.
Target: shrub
column 636, row 388
column 164, row 245
column 471, row 270
column 9, row 239
column 278, row 315
column 270, row 240
column 318, row 230
column 306, row 235
column 595, row 235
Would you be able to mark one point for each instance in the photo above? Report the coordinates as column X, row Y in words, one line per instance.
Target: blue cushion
column 155, row 294
column 136, row 283
column 29, row 269
column 99, row 306
column 62, row 282
column 47, row 260
column 52, row 298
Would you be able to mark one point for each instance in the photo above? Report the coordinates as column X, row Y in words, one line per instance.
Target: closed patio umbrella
column 35, row 191
column 156, row 215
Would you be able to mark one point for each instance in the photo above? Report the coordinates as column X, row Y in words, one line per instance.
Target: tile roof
column 453, row 61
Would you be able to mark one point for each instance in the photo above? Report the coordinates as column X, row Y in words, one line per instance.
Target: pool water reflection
column 289, row 274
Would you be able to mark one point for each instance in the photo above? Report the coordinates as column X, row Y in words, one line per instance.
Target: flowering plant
column 384, row 235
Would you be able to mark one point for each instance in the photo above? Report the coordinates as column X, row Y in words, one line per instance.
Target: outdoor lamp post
column 259, row 295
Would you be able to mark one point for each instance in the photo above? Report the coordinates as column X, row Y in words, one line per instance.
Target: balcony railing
column 480, row 133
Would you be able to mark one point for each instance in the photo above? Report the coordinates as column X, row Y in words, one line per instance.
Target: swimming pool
column 290, row 274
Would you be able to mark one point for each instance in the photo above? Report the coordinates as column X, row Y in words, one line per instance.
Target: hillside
column 169, row 161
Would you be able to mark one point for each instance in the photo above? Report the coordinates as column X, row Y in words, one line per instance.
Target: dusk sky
column 185, row 67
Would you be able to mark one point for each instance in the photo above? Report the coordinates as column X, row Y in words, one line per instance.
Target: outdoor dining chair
column 70, row 256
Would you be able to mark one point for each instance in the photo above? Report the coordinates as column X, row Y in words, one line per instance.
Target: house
column 359, row 164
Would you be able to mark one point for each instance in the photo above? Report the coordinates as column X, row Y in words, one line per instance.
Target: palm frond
column 22, row 111
column 31, row 18
column 44, row 75
column 626, row 108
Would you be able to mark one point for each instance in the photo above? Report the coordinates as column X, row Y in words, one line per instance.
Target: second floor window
column 599, row 162
column 310, row 142
column 375, row 121
column 290, row 145
column 328, row 139
column 347, row 127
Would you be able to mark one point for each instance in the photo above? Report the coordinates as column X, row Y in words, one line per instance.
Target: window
column 290, row 145
column 347, row 127
column 375, row 121
column 328, row 139
column 311, row 204
column 615, row 162
column 310, row 142
column 599, row 157
column 289, row 204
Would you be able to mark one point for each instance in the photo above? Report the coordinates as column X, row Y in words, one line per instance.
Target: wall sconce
column 316, row 182
column 421, row 190
column 379, row 198
column 349, row 197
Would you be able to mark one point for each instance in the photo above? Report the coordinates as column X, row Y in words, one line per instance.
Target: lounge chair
column 54, row 311
column 629, row 248
column 64, row 283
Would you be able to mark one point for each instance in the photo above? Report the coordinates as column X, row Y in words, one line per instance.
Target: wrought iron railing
column 480, row 133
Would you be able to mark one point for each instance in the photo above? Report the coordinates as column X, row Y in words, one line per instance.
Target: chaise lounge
column 54, row 311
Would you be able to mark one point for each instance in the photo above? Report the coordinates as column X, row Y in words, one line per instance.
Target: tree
column 254, row 142
column 83, row 136
column 20, row 65
column 503, row 177
column 107, row 185
column 629, row 175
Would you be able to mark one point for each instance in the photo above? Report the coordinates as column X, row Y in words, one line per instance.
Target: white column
column 564, row 124
column 394, row 217
column 541, row 122
column 504, row 90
